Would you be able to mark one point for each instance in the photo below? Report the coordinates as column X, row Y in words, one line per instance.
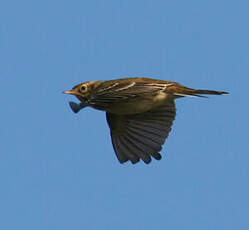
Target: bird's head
column 83, row 91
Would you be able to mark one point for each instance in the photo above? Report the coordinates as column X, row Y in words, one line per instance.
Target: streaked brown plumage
column 139, row 112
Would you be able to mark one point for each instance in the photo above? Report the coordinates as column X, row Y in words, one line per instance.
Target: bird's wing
column 125, row 90
column 141, row 136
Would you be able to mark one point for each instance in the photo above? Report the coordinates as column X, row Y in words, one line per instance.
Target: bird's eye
column 83, row 88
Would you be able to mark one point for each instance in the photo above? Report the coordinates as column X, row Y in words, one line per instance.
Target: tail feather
column 212, row 92
column 184, row 92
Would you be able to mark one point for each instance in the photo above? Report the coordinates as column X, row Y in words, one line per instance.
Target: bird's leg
column 76, row 107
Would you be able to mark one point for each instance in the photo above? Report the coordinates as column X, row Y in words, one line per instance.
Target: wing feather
column 112, row 91
column 142, row 135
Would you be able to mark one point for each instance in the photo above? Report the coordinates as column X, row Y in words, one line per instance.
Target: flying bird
column 139, row 111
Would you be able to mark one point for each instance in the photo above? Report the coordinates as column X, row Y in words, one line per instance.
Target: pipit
column 139, row 111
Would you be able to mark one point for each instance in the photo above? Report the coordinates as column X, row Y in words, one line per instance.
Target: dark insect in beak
column 76, row 107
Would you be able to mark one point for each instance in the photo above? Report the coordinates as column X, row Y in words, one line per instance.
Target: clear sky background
column 58, row 170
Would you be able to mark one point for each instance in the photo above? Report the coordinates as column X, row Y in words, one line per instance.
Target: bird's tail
column 182, row 91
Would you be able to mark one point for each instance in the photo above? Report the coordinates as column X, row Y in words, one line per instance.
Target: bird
column 139, row 111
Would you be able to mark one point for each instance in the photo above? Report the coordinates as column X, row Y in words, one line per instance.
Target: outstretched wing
column 142, row 135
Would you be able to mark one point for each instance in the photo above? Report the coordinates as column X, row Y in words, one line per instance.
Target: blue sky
column 58, row 169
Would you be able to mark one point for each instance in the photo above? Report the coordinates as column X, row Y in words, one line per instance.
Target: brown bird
column 139, row 112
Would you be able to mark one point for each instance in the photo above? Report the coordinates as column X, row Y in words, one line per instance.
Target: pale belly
column 140, row 105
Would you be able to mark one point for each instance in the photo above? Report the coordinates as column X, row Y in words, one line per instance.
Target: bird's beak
column 69, row 92
column 72, row 92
